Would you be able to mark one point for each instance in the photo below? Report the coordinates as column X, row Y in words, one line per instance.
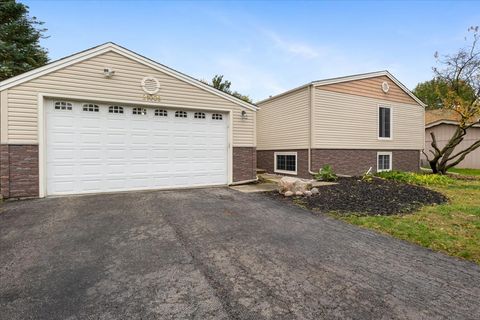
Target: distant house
column 443, row 124
column 353, row 123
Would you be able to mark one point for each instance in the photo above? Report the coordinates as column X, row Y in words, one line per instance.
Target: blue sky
column 267, row 47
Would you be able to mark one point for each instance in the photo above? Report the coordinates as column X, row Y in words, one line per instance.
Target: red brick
column 344, row 161
column 19, row 171
column 244, row 163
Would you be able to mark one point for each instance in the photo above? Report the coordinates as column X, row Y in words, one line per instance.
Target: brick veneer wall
column 244, row 163
column 266, row 161
column 343, row 161
column 19, row 171
column 358, row 161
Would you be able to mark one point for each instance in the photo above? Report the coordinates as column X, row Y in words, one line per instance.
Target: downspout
column 310, row 130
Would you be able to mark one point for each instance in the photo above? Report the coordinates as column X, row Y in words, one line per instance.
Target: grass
column 466, row 172
column 453, row 228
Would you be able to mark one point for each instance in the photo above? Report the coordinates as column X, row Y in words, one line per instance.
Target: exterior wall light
column 108, row 72
column 244, row 114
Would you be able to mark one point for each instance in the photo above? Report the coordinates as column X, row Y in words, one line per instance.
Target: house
column 108, row 119
column 443, row 124
column 353, row 123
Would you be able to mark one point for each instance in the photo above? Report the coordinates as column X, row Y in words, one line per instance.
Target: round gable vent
column 385, row 87
column 150, row 85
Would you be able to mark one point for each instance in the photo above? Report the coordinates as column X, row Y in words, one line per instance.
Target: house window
column 180, row 114
column 199, row 115
column 89, row 107
column 161, row 113
column 139, row 111
column 384, row 161
column 285, row 162
column 384, row 123
column 63, row 105
column 115, row 109
column 217, row 116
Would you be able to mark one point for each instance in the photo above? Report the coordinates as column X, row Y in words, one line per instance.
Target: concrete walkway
column 270, row 183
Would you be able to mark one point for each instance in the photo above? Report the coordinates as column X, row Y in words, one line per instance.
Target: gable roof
column 442, row 116
column 112, row 47
column 353, row 78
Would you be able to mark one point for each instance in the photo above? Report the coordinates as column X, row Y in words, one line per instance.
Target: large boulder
column 293, row 184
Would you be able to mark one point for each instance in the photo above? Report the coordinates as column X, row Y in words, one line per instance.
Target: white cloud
column 292, row 47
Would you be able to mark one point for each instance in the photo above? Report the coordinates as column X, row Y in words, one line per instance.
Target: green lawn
column 453, row 228
column 466, row 172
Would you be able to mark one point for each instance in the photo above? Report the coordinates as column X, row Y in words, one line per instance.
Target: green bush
column 326, row 174
column 427, row 179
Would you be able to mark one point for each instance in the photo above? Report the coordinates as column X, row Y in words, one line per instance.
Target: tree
column 224, row 85
column 458, row 71
column 20, row 50
column 433, row 91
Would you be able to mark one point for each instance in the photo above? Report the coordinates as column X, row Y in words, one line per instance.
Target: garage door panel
column 100, row 151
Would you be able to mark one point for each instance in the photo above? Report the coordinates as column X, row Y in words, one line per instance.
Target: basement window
column 115, row 109
column 161, row 113
column 89, row 107
column 384, row 123
column 63, row 105
column 139, row 111
column 217, row 116
column 180, row 114
column 384, row 161
column 199, row 115
column 285, row 162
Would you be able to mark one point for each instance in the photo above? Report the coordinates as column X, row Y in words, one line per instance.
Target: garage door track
column 215, row 254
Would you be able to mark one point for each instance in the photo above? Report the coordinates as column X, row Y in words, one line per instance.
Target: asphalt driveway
column 215, row 254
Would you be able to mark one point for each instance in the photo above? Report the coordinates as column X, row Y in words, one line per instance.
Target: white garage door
column 102, row 148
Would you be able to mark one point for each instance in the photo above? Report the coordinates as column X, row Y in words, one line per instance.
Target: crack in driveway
column 215, row 254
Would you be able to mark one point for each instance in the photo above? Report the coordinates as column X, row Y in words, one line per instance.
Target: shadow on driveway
column 215, row 254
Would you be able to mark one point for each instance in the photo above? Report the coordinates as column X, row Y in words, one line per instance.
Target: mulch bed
column 378, row 197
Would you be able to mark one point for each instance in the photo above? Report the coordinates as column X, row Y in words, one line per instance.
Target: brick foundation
column 19, row 171
column 357, row 162
column 266, row 161
column 343, row 161
column 244, row 163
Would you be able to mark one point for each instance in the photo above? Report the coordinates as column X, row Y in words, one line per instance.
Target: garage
column 105, row 148
column 110, row 120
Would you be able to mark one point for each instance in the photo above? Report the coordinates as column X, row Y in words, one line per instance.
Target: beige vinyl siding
column 3, row 116
column 346, row 121
column 443, row 133
column 372, row 88
column 283, row 122
column 85, row 79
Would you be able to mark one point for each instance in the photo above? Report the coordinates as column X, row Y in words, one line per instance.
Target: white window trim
column 275, row 154
column 378, row 122
column 385, row 154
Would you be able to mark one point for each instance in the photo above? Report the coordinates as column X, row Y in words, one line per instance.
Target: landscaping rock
column 314, row 191
column 308, row 193
column 299, row 193
column 293, row 184
column 288, row 194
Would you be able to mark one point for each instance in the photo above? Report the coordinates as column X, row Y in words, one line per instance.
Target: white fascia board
column 283, row 93
column 53, row 66
column 75, row 58
column 366, row 76
column 181, row 76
